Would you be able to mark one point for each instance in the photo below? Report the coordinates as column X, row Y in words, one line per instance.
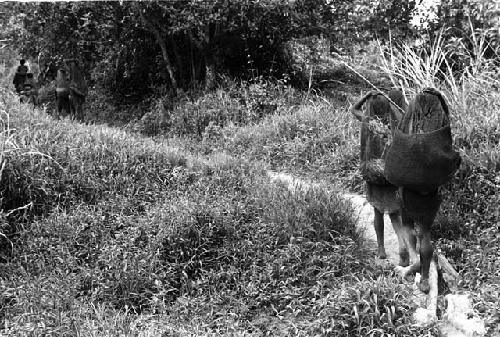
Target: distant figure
column 78, row 89
column 20, row 75
column 50, row 72
column 381, row 117
column 29, row 91
column 62, row 93
column 29, row 83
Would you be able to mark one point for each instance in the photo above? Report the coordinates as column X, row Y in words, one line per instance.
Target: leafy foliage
column 179, row 43
column 125, row 235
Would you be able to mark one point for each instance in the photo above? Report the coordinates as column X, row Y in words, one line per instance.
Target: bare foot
column 424, row 286
column 381, row 253
column 407, row 272
column 404, row 258
column 402, row 271
column 412, row 270
column 424, row 317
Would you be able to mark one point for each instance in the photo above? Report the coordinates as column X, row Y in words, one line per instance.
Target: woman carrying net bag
column 418, row 161
column 382, row 115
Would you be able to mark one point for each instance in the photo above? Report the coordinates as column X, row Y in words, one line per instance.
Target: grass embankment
column 283, row 129
column 316, row 138
column 126, row 236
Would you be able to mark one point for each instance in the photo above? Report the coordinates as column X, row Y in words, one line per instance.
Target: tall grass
column 231, row 103
column 469, row 215
column 125, row 230
column 130, row 236
column 472, row 93
column 410, row 69
column 315, row 138
column 472, row 90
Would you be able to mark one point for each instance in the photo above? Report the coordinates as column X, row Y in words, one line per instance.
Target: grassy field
column 117, row 233
column 111, row 232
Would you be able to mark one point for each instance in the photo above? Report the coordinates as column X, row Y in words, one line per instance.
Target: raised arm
column 355, row 109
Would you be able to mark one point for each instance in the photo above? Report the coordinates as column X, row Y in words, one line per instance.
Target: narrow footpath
column 459, row 319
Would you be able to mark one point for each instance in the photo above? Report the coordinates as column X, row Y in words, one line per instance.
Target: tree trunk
column 178, row 59
column 166, row 58
column 191, row 63
column 161, row 41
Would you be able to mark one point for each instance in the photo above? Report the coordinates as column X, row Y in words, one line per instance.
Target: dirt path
column 365, row 223
column 363, row 211
column 459, row 320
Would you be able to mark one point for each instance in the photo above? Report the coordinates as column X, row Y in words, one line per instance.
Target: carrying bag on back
column 422, row 161
column 372, row 149
column 422, row 157
column 375, row 135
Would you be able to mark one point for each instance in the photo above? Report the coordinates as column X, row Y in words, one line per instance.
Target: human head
column 62, row 73
column 379, row 106
column 398, row 98
column 74, row 71
column 22, row 61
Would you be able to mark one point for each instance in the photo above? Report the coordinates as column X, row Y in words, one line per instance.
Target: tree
column 130, row 48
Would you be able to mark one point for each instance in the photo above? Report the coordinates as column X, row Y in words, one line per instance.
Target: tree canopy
column 129, row 47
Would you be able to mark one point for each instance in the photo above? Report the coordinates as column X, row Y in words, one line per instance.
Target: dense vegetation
column 169, row 224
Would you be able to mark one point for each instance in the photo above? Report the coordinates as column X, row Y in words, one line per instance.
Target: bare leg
column 410, row 240
column 72, row 107
column 404, row 258
column 409, row 237
column 79, row 109
column 379, row 230
column 426, row 252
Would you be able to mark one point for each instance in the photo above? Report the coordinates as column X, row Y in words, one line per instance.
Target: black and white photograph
column 185, row 168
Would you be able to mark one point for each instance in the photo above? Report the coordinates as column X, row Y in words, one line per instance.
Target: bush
column 311, row 138
column 230, row 104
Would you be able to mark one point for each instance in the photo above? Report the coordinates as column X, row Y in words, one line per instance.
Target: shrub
column 229, row 104
column 313, row 138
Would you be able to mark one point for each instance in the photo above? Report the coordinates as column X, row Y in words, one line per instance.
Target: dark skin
column 378, row 222
column 76, row 100
column 426, row 252
column 356, row 108
column 420, row 225
column 422, row 259
column 395, row 217
column 413, row 232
